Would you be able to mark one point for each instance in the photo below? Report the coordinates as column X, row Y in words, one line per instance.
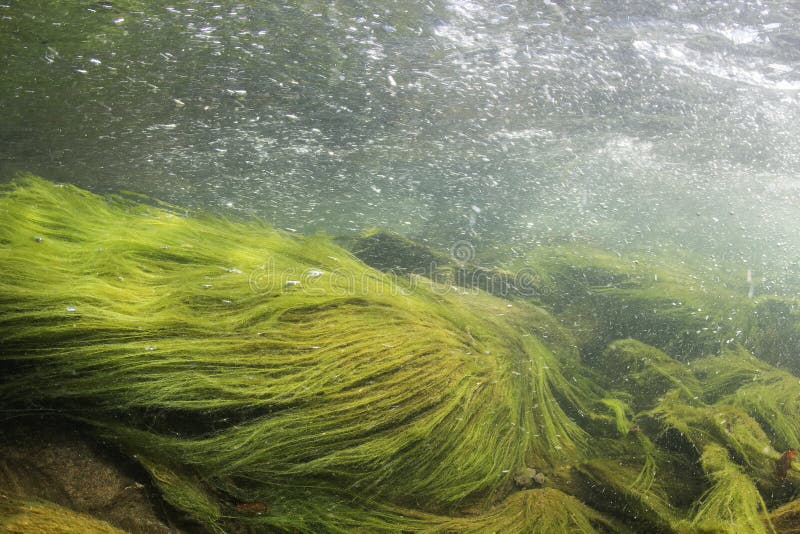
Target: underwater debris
column 252, row 508
column 784, row 463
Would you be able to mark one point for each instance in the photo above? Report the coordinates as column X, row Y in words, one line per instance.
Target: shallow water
column 637, row 123
column 556, row 286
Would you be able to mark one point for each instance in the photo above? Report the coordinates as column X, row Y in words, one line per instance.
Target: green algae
column 644, row 373
column 270, row 365
column 732, row 503
column 686, row 305
column 19, row 516
column 771, row 396
column 240, row 364
column 786, row 519
column 537, row 512
column 183, row 493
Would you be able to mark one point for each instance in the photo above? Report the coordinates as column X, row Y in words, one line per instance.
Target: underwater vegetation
column 271, row 382
column 20, row 517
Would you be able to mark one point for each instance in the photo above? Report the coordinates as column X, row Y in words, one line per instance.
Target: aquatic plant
column 242, row 363
column 680, row 303
column 733, row 503
column 771, row 396
column 643, row 372
column 625, row 487
column 786, row 519
column 535, row 511
column 24, row 516
column 268, row 380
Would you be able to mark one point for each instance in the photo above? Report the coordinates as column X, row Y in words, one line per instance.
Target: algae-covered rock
column 392, row 253
column 529, row 477
column 389, row 251
column 46, row 460
column 683, row 304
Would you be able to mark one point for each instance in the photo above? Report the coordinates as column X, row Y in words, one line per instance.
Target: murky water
column 517, row 121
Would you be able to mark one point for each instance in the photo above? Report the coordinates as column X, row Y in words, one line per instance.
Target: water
column 646, row 122
column 621, row 176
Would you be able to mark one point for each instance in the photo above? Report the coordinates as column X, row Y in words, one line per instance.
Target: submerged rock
column 529, row 477
column 55, row 478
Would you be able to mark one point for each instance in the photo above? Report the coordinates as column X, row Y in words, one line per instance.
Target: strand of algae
column 181, row 340
column 622, row 414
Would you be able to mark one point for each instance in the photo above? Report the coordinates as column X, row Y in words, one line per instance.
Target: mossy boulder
column 391, row 252
column 679, row 302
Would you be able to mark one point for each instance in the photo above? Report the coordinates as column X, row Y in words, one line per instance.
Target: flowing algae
column 272, row 382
